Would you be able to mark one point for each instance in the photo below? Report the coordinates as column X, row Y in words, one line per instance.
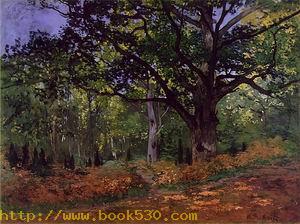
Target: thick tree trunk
column 203, row 134
column 203, row 131
column 203, row 143
column 152, row 135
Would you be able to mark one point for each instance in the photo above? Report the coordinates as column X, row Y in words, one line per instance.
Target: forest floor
column 263, row 192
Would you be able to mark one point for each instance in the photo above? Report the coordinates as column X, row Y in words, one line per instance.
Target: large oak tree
column 195, row 51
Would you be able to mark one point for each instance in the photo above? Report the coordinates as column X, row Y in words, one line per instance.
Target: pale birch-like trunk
column 152, row 134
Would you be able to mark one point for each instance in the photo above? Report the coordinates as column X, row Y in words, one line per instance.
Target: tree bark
column 107, row 152
column 54, row 139
column 188, row 156
column 180, row 152
column 152, row 135
column 203, row 133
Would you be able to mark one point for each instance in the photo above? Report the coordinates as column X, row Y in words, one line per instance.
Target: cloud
column 18, row 18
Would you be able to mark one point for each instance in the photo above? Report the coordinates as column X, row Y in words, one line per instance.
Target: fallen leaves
column 206, row 203
column 166, row 172
column 208, row 193
column 68, row 186
column 262, row 202
column 176, row 197
column 241, row 186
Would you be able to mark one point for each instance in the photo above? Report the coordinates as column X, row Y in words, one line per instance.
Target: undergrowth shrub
column 67, row 186
column 291, row 147
column 167, row 172
column 258, row 150
column 262, row 150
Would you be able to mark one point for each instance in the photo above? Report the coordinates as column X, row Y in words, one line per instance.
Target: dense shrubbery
column 117, row 178
column 257, row 150
column 64, row 185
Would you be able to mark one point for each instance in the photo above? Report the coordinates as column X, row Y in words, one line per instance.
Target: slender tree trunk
column 112, row 148
column 69, row 145
column 90, row 126
column 107, row 152
column 152, row 137
column 180, row 152
column 188, row 156
column 54, row 139
column 128, row 152
column 159, row 125
column 78, row 150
